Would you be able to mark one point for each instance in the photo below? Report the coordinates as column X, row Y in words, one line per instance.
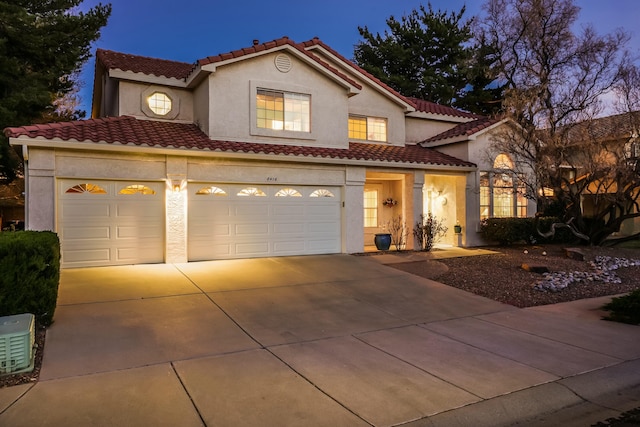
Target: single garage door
column 110, row 222
column 244, row 221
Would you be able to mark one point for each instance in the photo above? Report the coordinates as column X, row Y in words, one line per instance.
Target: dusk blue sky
column 188, row 30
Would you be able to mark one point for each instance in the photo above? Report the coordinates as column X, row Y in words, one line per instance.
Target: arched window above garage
column 86, row 188
column 251, row 191
column 211, row 191
column 288, row 192
column 321, row 192
column 137, row 189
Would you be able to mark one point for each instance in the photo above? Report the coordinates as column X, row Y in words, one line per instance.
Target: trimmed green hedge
column 30, row 273
column 507, row 231
column 625, row 309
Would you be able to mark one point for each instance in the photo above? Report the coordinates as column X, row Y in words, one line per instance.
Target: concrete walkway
column 317, row 341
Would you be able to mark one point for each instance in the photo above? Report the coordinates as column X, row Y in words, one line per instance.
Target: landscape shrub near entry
column 507, row 231
column 30, row 273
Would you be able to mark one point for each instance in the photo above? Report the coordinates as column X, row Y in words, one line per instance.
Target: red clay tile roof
column 143, row 64
column 610, row 128
column 317, row 42
column 464, row 129
column 127, row 130
column 432, row 107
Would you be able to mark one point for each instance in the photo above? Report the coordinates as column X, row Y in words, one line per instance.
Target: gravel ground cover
column 501, row 277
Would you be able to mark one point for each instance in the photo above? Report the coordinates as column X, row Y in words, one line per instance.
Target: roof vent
column 283, row 63
column 16, row 343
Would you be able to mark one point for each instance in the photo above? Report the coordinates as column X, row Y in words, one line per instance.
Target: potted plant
column 382, row 241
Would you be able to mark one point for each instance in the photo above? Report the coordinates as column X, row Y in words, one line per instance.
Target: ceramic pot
column 383, row 241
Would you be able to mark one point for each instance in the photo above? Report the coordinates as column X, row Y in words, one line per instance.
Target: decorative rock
column 540, row 269
column 603, row 271
column 574, row 253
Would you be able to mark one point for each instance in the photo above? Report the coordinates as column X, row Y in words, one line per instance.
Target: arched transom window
column 251, row 191
column 86, row 188
column 321, row 192
column 502, row 193
column 137, row 189
column 211, row 191
column 288, row 192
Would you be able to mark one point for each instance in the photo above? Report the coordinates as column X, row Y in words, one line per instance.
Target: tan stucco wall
column 419, row 129
column 373, row 104
column 201, row 106
column 232, row 93
column 131, row 100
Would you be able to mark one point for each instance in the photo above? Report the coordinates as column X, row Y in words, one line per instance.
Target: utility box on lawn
column 17, row 337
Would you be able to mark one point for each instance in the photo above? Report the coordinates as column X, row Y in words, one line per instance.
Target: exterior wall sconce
column 176, row 182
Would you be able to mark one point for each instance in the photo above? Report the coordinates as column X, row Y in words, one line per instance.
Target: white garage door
column 110, row 222
column 243, row 221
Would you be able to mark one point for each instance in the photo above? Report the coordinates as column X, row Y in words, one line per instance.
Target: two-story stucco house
column 280, row 148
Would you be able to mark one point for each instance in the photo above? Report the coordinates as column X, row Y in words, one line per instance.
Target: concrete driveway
column 316, row 341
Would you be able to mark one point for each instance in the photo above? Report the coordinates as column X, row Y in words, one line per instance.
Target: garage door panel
column 131, row 209
column 288, row 228
column 137, row 232
column 322, row 227
column 252, row 229
column 252, row 249
column 252, row 210
column 289, row 247
column 83, row 256
column 86, row 233
column 88, row 210
column 293, row 210
column 324, row 211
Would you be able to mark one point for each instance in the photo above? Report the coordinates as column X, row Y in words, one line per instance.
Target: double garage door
column 117, row 222
column 243, row 221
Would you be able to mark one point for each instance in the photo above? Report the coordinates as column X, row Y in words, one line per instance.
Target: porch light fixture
column 176, row 182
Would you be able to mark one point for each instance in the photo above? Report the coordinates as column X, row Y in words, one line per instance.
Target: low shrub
column 507, row 231
column 625, row 309
column 30, row 266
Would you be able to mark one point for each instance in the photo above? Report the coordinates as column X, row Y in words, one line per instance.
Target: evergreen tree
column 430, row 55
column 43, row 44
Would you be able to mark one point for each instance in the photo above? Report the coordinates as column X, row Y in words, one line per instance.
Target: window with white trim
column 370, row 207
column 502, row 194
column 278, row 110
column 368, row 128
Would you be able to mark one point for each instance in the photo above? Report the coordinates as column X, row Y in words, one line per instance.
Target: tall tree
column 43, row 44
column 555, row 80
column 429, row 55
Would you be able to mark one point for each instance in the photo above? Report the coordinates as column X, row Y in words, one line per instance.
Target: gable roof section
column 129, row 131
column 142, row 64
column 317, row 42
column 283, row 42
column 462, row 132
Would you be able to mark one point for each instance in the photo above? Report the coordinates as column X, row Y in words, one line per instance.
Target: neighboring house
column 280, row 148
column 612, row 140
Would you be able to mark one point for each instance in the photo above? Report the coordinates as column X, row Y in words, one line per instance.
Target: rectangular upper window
column 368, row 128
column 287, row 111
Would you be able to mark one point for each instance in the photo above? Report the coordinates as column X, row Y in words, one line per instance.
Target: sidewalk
column 319, row 340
